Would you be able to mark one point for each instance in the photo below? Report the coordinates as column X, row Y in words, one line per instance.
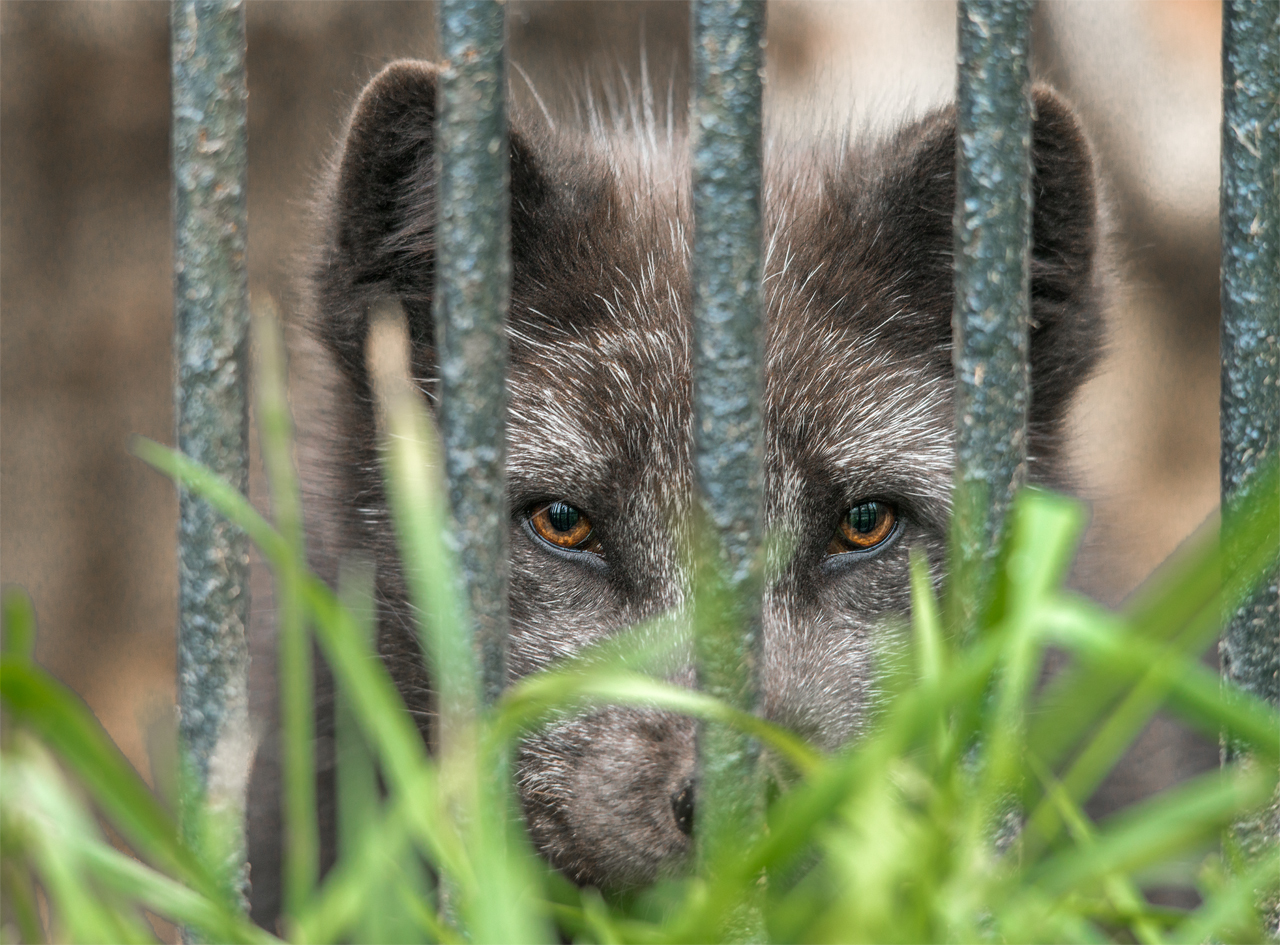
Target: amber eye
column 564, row 526
column 865, row 525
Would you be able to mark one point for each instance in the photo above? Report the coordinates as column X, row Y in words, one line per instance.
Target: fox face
column 857, row 416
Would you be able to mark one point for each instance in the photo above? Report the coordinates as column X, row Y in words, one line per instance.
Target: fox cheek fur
column 857, row 408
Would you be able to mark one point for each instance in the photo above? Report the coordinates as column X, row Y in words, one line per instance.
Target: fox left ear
column 1066, row 269
column 379, row 237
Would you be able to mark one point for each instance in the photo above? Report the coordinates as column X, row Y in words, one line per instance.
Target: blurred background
column 85, row 308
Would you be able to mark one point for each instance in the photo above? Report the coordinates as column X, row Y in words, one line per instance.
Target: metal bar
column 473, row 289
column 989, row 323
column 211, row 316
column 1250, row 220
column 1250, row 418
column 728, row 58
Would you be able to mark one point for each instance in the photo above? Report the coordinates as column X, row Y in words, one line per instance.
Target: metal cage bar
column 990, row 320
column 473, row 288
column 1250, row 221
column 1250, row 347
column 211, row 316
column 728, row 63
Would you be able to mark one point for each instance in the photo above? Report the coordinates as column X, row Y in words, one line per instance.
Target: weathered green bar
column 1250, row 219
column 1250, row 419
column 728, row 58
column 211, row 317
column 473, row 288
column 989, row 322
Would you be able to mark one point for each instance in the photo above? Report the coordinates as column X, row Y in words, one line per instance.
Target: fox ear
column 1066, row 271
column 379, row 238
column 380, row 218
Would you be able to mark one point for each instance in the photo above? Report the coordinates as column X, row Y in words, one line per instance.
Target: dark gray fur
column 858, row 285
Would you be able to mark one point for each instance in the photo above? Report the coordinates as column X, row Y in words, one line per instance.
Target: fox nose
column 682, row 807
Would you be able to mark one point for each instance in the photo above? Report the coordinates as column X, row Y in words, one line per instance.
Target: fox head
column 857, row 415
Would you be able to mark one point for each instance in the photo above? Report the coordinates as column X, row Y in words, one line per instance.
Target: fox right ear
column 379, row 238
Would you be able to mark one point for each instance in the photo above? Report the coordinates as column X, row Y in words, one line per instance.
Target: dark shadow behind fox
column 857, row 411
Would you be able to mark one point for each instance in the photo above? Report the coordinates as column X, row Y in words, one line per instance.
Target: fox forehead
column 601, row 368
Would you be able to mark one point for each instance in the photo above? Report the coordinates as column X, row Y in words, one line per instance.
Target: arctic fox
column 857, row 416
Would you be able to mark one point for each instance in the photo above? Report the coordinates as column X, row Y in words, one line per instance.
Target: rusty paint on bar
column 211, row 317
column 728, row 58
column 473, row 287
column 1250, row 410
column 992, row 288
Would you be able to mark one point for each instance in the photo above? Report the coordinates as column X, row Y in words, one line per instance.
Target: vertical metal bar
column 473, row 288
column 990, row 334
column 728, row 58
column 1250, row 220
column 1250, row 420
column 211, row 315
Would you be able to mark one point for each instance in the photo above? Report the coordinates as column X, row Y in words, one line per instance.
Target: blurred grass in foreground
column 958, row 817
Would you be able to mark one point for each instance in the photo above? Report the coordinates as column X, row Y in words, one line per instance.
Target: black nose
column 682, row 807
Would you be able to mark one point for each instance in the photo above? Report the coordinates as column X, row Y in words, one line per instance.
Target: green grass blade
column 387, row 726
column 1115, row 696
column 1184, row 600
column 357, row 776
column 46, row 707
column 360, row 875
column 382, row 917
column 798, row 819
column 933, row 655
column 904, row 725
column 53, row 827
column 1173, row 821
column 293, row 664
column 1044, row 531
column 19, row 625
column 82, row 916
column 136, row 882
column 228, row 500
column 930, row 644
column 477, row 783
column 412, row 464
column 407, row 915
column 1161, row 675
column 1126, row 898
column 1231, row 912
column 1194, row 690
column 380, row 711
column 1187, row 584
column 19, row 898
